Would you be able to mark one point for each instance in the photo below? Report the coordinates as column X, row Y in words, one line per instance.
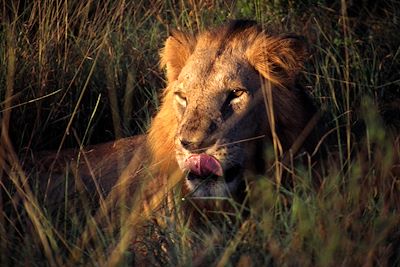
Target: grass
column 78, row 73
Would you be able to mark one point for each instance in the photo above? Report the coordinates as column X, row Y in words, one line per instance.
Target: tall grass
column 76, row 73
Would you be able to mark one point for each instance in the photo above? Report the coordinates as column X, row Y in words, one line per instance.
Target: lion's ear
column 178, row 47
column 278, row 58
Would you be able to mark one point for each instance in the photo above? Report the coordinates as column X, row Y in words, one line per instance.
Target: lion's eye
column 235, row 94
column 181, row 98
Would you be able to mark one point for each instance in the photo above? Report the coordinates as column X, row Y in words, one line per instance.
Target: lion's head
column 227, row 88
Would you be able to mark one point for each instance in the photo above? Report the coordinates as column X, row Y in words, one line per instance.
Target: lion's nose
column 196, row 146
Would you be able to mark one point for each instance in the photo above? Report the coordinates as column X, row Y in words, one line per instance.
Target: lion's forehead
column 213, row 74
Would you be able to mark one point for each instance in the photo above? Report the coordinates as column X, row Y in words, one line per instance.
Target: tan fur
column 183, row 45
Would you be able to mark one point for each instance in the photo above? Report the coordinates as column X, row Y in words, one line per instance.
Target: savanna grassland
column 78, row 73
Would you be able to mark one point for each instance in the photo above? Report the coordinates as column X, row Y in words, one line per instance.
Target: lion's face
column 213, row 103
column 216, row 105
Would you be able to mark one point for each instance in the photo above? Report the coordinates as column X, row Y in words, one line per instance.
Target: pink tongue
column 203, row 165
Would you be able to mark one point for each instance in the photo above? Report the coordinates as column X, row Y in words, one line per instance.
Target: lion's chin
column 214, row 186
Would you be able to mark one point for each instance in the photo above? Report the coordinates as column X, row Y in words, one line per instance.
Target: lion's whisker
column 231, row 143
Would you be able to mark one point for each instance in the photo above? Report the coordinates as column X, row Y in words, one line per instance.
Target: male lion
column 231, row 92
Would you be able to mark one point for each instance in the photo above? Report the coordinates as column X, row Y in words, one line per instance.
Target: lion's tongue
column 203, row 165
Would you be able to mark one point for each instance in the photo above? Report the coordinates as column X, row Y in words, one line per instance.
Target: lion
column 231, row 92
